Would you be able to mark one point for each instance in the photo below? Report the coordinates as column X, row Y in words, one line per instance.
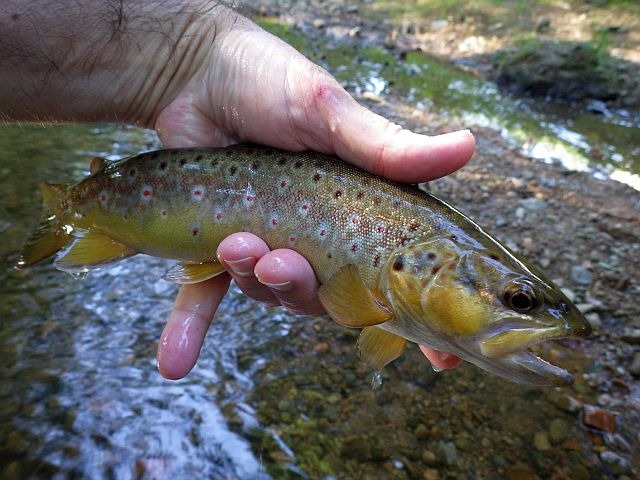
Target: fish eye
column 520, row 297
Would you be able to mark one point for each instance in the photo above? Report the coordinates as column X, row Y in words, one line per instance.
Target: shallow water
column 273, row 396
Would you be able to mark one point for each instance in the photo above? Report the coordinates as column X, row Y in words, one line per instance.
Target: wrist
column 120, row 61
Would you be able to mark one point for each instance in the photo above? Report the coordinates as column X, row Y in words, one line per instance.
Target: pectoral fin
column 349, row 302
column 90, row 251
column 193, row 272
column 378, row 347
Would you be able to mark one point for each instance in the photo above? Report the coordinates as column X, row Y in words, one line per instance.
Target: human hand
column 256, row 88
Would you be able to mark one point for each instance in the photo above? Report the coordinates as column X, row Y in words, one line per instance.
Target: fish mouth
column 509, row 351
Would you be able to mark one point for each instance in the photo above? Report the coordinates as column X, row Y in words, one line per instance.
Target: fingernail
column 281, row 287
column 243, row 267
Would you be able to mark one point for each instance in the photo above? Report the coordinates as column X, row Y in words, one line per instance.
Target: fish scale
column 323, row 208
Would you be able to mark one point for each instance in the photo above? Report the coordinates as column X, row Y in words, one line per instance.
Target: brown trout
column 392, row 259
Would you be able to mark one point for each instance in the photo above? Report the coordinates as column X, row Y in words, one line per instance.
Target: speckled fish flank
column 391, row 259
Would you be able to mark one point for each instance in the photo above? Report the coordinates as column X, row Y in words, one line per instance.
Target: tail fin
column 49, row 236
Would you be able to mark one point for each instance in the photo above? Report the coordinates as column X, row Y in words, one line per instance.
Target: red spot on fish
column 103, row 198
column 354, row 220
column 376, row 200
column 250, row 198
column 354, row 247
column 401, row 241
column 218, row 216
column 274, row 222
column 323, row 233
column 381, row 229
column 163, row 213
column 283, row 183
column 414, row 225
column 198, row 193
column 146, row 193
column 305, row 206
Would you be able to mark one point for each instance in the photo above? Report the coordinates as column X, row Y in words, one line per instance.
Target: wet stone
column 599, row 419
column 558, row 431
column 541, row 441
column 581, row 275
column 520, row 471
column 533, row 204
column 429, row 458
column 449, row 451
column 634, row 368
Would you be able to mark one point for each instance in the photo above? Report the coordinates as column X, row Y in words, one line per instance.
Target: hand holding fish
column 201, row 75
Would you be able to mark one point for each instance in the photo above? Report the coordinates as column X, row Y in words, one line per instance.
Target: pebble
column 431, row 474
column 558, row 431
column 585, row 307
column 449, row 451
column 501, row 222
column 594, row 320
column 581, row 275
column 541, row 441
column 634, row 368
column 322, row 347
column 614, row 459
column 599, row 418
column 429, row 458
column 533, row 204
column 519, row 471
column 631, row 336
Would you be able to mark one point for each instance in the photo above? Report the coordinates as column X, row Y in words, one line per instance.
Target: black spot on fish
column 255, row 166
column 163, row 165
column 174, row 152
column 376, row 261
column 366, row 181
column 214, row 163
column 402, row 240
column 298, row 164
column 360, row 195
column 493, row 256
column 453, row 238
column 435, row 269
column 268, row 152
column 233, row 170
column 329, row 255
column 198, row 158
column 316, row 177
column 154, row 155
column 414, row 225
column 183, row 162
column 354, row 248
column 338, row 194
column 431, row 256
column 282, row 161
column 194, row 232
column 377, row 200
column 398, row 265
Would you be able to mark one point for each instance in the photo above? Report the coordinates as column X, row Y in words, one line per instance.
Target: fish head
column 481, row 303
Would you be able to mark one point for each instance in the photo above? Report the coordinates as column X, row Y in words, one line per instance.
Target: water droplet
column 79, row 275
column 376, row 380
column 436, row 369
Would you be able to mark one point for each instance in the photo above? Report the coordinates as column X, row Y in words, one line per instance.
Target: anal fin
column 91, row 250
column 185, row 273
column 378, row 347
column 349, row 302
